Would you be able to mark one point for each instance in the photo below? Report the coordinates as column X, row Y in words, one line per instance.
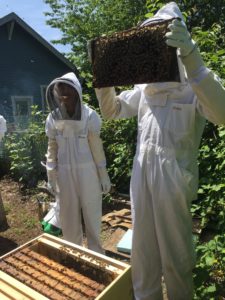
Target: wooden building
column 28, row 63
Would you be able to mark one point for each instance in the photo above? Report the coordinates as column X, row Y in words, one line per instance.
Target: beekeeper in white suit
column 171, row 118
column 76, row 164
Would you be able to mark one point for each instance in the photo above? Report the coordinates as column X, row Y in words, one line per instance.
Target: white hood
column 70, row 79
column 168, row 11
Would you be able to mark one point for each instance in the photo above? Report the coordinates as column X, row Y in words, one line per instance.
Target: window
column 21, row 110
column 43, row 93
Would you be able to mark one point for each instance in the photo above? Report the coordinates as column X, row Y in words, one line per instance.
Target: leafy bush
column 210, row 206
column 209, row 275
column 119, row 143
column 25, row 149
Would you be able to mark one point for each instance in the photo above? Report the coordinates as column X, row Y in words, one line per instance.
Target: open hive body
column 49, row 268
column 134, row 56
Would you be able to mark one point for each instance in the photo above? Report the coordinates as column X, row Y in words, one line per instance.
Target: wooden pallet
column 48, row 268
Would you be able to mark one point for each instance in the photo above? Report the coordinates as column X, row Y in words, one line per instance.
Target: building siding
column 25, row 66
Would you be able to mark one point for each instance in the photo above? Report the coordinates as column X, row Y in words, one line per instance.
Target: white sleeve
column 125, row 105
column 207, row 87
column 94, row 139
column 50, row 129
column 52, row 150
column 52, row 153
column 96, row 146
column 129, row 102
column 211, row 97
column 94, row 122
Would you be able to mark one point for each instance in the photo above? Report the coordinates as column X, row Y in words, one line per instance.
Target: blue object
column 125, row 244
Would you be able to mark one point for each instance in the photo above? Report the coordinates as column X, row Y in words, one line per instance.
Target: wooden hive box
column 49, row 268
column 134, row 56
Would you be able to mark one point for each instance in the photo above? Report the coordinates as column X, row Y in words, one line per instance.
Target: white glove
column 179, row 37
column 52, row 180
column 104, row 180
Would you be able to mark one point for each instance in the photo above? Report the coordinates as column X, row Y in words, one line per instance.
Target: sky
column 32, row 12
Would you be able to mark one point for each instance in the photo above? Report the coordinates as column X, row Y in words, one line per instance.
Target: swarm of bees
column 138, row 55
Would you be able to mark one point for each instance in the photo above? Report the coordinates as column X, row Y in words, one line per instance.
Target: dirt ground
column 22, row 215
column 23, row 222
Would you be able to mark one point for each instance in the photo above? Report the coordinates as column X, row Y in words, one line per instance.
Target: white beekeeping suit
column 76, row 163
column 3, row 127
column 171, row 119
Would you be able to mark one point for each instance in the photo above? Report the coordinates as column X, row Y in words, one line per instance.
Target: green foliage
column 26, row 149
column 83, row 20
column 209, row 274
column 211, row 43
column 197, row 13
column 154, row 6
column 210, row 205
column 4, row 159
column 206, row 21
column 119, row 143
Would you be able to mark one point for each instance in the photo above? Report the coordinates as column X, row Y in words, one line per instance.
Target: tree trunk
column 3, row 219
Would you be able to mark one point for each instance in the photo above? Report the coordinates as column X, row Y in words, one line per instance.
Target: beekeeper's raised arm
column 206, row 85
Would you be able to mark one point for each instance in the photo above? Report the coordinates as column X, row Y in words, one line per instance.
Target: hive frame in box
column 119, row 288
column 135, row 56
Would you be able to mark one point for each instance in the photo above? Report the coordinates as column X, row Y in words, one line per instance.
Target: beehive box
column 138, row 55
column 49, row 268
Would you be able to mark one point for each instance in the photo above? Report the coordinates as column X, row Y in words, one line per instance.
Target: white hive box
column 50, row 268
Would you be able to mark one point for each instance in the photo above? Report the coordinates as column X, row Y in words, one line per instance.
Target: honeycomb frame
column 134, row 56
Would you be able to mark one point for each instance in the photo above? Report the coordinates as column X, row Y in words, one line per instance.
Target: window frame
column 43, row 88
column 15, row 99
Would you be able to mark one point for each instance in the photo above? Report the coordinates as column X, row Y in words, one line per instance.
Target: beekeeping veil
column 58, row 109
column 167, row 12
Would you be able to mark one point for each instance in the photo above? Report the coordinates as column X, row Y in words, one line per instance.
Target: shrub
column 25, row 149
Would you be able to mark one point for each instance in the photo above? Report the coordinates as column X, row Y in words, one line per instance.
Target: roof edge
column 14, row 17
